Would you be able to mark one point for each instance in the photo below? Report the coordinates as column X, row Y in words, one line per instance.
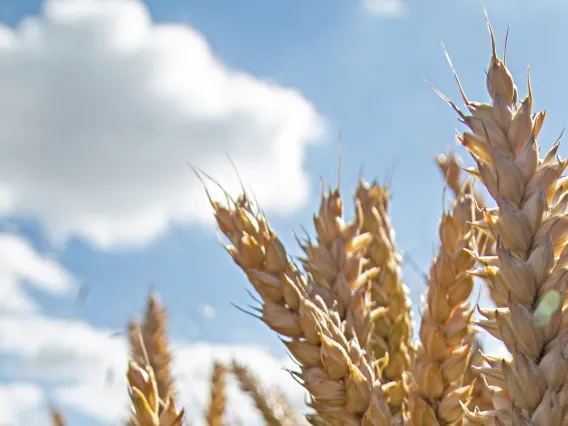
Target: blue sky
column 103, row 110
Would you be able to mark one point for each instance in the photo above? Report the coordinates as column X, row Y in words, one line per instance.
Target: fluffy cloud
column 85, row 367
column 384, row 7
column 19, row 263
column 101, row 110
column 20, row 403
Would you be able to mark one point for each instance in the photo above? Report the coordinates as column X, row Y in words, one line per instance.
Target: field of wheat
column 343, row 311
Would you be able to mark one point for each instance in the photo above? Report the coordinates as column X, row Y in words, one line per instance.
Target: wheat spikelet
column 288, row 412
column 450, row 166
column 155, row 341
column 340, row 380
column 148, row 409
column 481, row 397
column 273, row 407
column 218, row 399
column 451, row 169
column 392, row 333
column 136, row 350
column 334, row 266
column 446, row 334
column 530, row 269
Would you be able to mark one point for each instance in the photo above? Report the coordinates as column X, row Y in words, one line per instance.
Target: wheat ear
column 155, row 339
column 218, row 399
column 392, row 333
column 335, row 266
column 274, row 409
column 147, row 407
column 451, row 167
column 341, row 382
column 531, row 268
column 136, row 350
column 446, row 333
column 56, row 417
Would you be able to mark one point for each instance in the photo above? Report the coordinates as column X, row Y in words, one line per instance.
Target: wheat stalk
column 392, row 332
column 218, row 400
column 445, row 333
column 273, row 407
column 451, row 166
column 334, row 266
column 156, row 344
column 340, row 380
column 451, row 169
column 530, row 269
column 150, row 355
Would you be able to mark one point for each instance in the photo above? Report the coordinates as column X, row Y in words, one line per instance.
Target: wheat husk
column 217, row 399
column 341, row 382
column 272, row 406
column 392, row 332
column 530, row 269
column 481, row 396
column 446, row 334
column 451, row 166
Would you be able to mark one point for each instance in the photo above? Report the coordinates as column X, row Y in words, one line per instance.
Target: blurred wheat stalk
column 344, row 314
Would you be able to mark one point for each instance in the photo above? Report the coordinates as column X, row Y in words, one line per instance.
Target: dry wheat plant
column 344, row 314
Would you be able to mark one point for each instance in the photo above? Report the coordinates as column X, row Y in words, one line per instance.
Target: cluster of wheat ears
column 344, row 314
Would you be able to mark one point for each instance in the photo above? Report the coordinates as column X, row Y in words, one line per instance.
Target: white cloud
column 83, row 366
column 19, row 404
column 18, row 263
column 101, row 110
column 385, row 7
column 86, row 366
